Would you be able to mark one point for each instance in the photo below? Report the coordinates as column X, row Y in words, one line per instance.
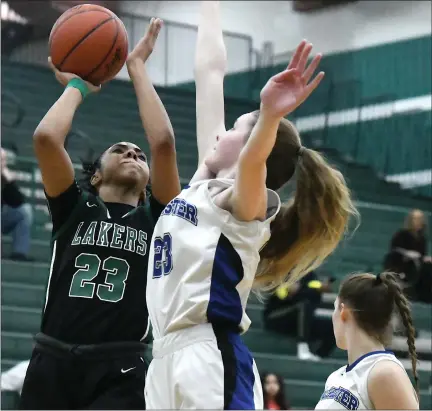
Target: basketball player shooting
column 89, row 353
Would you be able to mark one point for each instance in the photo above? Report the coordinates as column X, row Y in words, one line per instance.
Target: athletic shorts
column 203, row 367
column 99, row 377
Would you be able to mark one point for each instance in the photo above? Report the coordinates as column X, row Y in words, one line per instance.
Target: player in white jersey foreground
column 228, row 232
column 374, row 379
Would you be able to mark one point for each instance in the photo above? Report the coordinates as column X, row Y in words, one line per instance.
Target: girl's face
column 338, row 319
column 229, row 145
column 124, row 164
column 271, row 385
column 417, row 218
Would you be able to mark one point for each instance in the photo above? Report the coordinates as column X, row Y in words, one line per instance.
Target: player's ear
column 96, row 179
column 344, row 313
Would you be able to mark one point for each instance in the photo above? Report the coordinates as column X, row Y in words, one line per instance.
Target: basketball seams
column 83, row 38
column 78, row 46
column 75, row 14
column 109, row 51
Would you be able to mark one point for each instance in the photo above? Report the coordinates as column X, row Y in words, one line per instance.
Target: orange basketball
column 89, row 41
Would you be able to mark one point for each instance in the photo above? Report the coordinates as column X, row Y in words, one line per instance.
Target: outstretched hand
column 145, row 46
column 64, row 78
column 285, row 91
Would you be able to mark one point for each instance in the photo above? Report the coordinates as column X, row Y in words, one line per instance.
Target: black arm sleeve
column 399, row 240
column 423, row 245
column 11, row 194
column 156, row 208
column 61, row 207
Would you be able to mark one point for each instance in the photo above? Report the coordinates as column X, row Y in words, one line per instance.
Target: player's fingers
column 51, row 65
column 159, row 24
column 314, row 83
column 96, row 89
column 156, row 26
column 150, row 28
column 304, row 57
column 297, row 54
column 307, row 75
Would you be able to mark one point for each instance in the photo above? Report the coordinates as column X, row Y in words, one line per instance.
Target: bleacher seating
column 397, row 70
column 113, row 116
column 375, row 76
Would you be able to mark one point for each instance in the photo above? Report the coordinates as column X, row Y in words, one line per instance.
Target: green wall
column 385, row 72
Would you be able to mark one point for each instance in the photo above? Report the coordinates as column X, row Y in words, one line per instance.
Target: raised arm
column 163, row 168
column 210, row 67
column 49, row 137
column 282, row 94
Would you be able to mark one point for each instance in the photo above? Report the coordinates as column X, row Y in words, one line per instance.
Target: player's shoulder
column 389, row 386
column 386, row 369
column 337, row 374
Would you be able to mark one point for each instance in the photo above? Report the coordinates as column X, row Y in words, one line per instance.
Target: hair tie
column 300, row 151
column 378, row 279
column 89, row 168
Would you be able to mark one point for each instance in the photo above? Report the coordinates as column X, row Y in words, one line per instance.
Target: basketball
column 89, row 41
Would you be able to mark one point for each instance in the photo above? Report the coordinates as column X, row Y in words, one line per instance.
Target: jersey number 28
column 163, row 263
column 112, row 290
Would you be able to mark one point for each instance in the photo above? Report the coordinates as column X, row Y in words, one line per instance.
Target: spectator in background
column 292, row 311
column 16, row 213
column 408, row 257
column 273, row 392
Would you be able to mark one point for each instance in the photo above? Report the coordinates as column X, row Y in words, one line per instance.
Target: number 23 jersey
column 203, row 261
column 97, row 280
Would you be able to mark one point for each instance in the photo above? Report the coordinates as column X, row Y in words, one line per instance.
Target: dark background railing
column 171, row 63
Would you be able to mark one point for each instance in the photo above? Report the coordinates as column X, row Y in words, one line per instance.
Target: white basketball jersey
column 347, row 389
column 203, row 261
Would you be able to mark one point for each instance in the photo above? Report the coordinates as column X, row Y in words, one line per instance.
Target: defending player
column 228, row 231
column 89, row 352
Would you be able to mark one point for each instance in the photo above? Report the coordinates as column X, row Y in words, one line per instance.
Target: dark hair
column 89, row 165
column 308, row 227
column 280, row 398
column 374, row 299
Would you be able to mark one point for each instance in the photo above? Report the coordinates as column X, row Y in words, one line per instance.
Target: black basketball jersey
column 96, row 291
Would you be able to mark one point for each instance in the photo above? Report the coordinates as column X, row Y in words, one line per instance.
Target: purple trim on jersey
column 225, row 306
column 239, row 377
column 350, row 367
column 243, row 395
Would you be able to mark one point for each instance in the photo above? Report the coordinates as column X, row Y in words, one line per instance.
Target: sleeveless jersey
column 203, row 261
column 347, row 388
column 97, row 281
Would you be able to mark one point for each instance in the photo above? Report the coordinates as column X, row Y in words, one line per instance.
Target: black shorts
column 63, row 376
